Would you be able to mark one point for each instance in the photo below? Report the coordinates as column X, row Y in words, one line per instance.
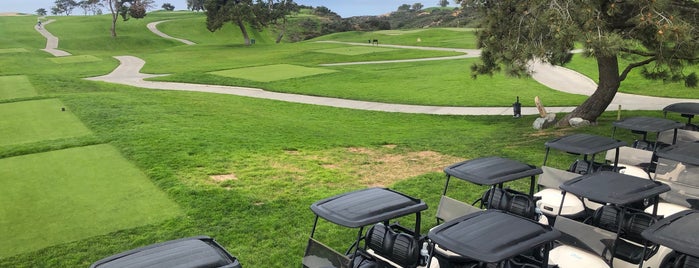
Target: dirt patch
column 11, row 14
column 225, row 177
column 371, row 167
column 382, row 169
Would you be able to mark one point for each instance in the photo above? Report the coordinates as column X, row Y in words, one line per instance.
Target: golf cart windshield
column 319, row 255
column 678, row 167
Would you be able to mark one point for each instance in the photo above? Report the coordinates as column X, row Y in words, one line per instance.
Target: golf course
column 90, row 168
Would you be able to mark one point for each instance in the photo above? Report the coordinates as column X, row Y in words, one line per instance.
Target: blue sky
column 345, row 8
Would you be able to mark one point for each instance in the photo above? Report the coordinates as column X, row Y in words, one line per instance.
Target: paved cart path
column 51, row 40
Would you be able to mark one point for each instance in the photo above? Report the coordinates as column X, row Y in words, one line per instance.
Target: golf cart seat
column 686, row 261
column 392, row 249
column 629, row 247
column 510, row 201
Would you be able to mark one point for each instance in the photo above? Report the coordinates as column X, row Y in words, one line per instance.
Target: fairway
column 75, row 59
column 12, row 50
column 61, row 196
column 16, row 86
column 270, row 73
column 32, row 121
column 354, row 50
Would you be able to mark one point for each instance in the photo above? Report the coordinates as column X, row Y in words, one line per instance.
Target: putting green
column 16, row 86
column 354, row 50
column 32, row 121
column 13, row 50
column 66, row 195
column 75, row 59
column 270, row 73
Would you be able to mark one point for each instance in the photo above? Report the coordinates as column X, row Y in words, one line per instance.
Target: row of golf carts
column 636, row 206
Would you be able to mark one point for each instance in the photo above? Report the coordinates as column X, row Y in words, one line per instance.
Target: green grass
column 75, row 59
column 13, row 50
column 285, row 156
column 16, row 86
column 270, row 73
column 67, row 195
column 354, row 50
column 31, row 121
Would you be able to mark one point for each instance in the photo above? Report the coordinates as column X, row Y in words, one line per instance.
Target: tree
column 41, row 12
column 241, row 12
column 195, row 5
column 126, row 9
column 659, row 36
column 64, row 7
column 91, row 6
column 404, row 7
column 168, row 7
column 417, row 7
column 443, row 3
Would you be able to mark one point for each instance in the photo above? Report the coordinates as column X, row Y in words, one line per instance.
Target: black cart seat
column 614, row 188
column 491, row 170
column 199, row 251
column 491, row 236
column 366, row 206
column 679, row 231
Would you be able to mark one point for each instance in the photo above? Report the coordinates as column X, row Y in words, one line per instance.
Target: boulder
column 578, row 122
column 545, row 122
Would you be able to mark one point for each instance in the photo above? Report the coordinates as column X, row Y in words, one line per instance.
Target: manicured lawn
column 16, row 86
column 75, row 59
column 354, row 50
column 67, row 195
column 241, row 170
column 12, row 50
column 32, row 121
column 270, row 73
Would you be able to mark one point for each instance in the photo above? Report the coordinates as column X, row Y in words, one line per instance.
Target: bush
column 691, row 80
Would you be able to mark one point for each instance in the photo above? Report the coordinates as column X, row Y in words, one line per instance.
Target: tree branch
column 628, row 69
column 637, row 52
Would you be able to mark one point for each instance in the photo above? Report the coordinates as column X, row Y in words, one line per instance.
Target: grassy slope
column 178, row 139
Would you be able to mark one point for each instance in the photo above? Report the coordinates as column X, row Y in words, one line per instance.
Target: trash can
column 252, row 41
column 517, row 108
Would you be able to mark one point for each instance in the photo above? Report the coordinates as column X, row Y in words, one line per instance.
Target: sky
column 344, row 8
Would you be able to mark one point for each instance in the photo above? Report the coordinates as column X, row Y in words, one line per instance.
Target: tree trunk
column 597, row 103
column 115, row 16
column 241, row 25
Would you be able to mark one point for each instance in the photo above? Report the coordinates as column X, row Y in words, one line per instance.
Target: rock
column 578, row 122
column 540, row 107
column 545, row 122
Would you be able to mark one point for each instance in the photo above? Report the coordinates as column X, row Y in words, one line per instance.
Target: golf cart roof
column 687, row 153
column 491, row 235
column 199, row 251
column 614, row 188
column 491, row 170
column 678, row 231
column 647, row 124
column 583, row 143
column 688, row 108
column 367, row 206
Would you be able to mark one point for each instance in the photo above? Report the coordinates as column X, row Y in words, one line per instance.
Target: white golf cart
column 679, row 233
column 384, row 244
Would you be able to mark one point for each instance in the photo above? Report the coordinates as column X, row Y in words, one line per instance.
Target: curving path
column 51, row 41
column 555, row 77
column 153, row 27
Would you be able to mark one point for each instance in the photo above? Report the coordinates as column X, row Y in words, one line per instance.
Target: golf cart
column 384, row 244
column 192, row 252
column 587, row 146
column 611, row 236
column 493, row 238
column 638, row 159
column 492, row 172
column 679, row 233
column 685, row 109
column 678, row 167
